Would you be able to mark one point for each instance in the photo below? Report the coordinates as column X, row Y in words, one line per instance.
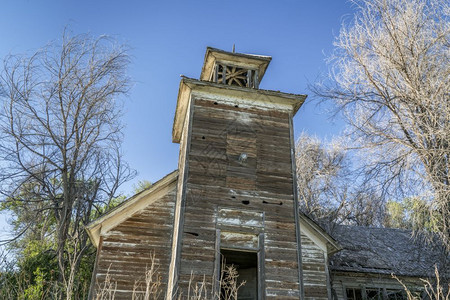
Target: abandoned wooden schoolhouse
column 233, row 200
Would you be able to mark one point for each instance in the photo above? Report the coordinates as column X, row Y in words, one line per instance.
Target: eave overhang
column 264, row 99
column 332, row 246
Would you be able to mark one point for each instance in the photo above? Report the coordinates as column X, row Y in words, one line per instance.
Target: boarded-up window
column 240, row 219
column 239, row 240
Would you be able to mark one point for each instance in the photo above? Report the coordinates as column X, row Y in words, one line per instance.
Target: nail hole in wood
column 265, row 202
column 245, row 202
column 203, row 137
column 236, row 106
column 215, row 103
column 191, row 233
column 234, row 197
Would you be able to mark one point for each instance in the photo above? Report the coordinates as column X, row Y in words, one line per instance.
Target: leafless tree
column 391, row 79
column 60, row 134
column 321, row 177
column 329, row 190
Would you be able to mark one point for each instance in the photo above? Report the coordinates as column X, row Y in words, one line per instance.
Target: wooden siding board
column 126, row 249
column 315, row 281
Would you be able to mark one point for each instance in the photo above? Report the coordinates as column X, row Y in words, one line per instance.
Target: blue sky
column 169, row 38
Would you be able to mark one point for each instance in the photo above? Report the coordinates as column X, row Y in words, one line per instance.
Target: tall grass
column 434, row 289
column 150, row 287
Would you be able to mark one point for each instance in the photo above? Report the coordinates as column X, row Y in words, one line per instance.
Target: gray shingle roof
column 386, row 251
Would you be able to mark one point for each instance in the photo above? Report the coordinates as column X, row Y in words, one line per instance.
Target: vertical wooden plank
column 177, row 231
column 296, row 210
column 256, row 79
column 328, row 275
column 94, row 272
column 249, row 79
column 261, row 264
column 341, row 287
column 217, row 264
column 216, row 73
column 345, row 292
column 224, row 74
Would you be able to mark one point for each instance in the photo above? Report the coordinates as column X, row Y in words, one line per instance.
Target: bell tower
column 236, row 201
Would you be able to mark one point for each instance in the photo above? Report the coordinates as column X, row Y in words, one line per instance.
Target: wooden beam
column 216, row 73
column 261, row 264
column 224, row 74
column 296, row 210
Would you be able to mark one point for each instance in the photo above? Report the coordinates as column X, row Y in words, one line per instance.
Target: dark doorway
column 246, row 265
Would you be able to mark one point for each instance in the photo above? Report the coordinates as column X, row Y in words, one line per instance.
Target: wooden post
column 224, row 74
column 249, row 79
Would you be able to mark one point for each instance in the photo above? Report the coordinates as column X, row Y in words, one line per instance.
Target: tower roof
column 232, row 77
column 214, row 57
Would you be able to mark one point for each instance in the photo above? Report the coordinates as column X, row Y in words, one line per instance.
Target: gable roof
column 130, row 206
column 386, row 251
column 314, row 231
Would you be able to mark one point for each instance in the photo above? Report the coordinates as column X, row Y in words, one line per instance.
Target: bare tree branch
column 60, row 136
column 391, row 77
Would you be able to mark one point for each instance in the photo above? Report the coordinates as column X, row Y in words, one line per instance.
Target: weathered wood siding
column 262, row 184
column 125, row 251
column 314, row 270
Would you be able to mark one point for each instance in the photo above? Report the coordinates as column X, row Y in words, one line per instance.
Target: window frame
column 382, row 289
column 260, row 262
